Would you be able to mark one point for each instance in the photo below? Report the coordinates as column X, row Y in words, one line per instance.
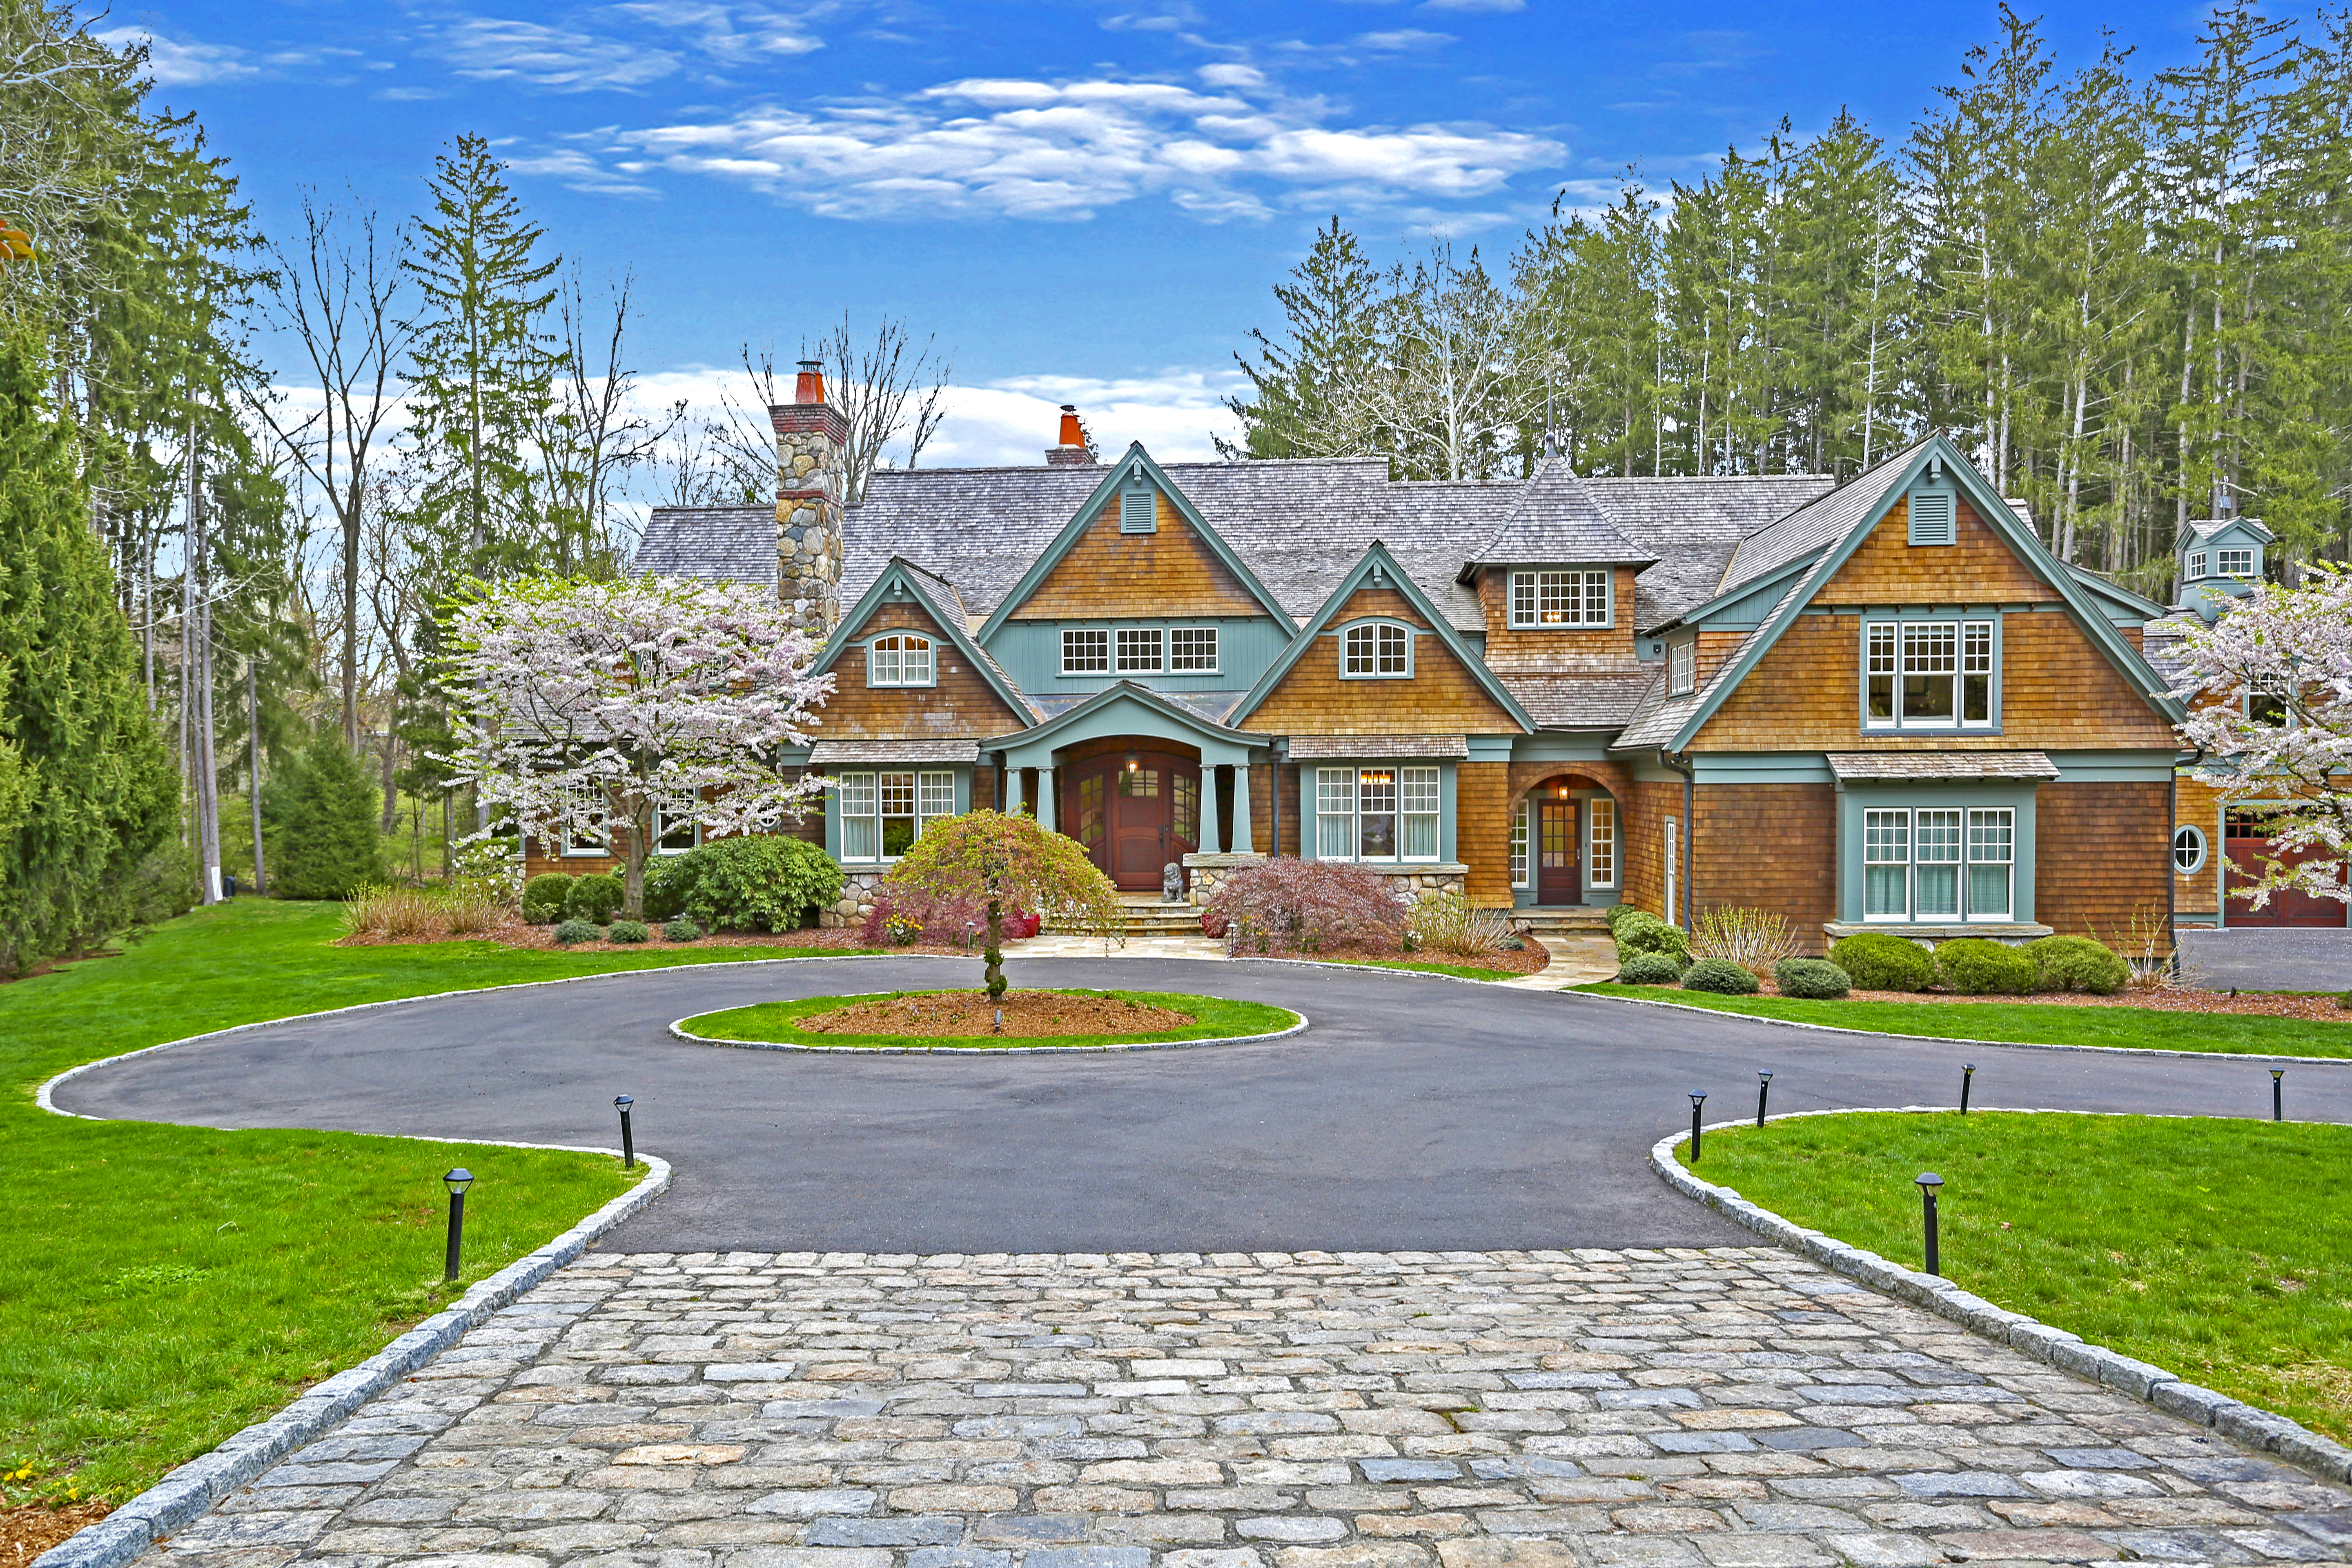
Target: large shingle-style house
column 1875, row 704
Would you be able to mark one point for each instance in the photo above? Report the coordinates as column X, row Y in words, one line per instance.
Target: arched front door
column 1135, row 812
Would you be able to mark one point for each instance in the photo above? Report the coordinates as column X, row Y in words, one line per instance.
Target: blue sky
column 1084, row 202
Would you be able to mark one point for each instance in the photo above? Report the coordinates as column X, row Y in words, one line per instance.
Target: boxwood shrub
column 1812, row 977
column 682, row 929
column 595, row 898
column 1975, row 967
column 570, row 931
column 1720, row 975
column 1881, row 961
column 626, row 931
column 1649, row 969
column 543, row 896
column 2076, row 964
column 1643, row 932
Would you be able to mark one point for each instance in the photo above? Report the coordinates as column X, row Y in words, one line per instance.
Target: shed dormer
column 2220, row 559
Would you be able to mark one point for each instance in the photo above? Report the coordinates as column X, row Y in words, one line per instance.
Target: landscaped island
column 970, row 1020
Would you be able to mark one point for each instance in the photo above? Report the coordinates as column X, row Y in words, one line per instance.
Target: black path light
column 456, row 1181
column 1763, row 1092
column 2278, row 1095
column 1698, row 1098
column 621, row 1103
column 1930, row 1184
column 1968, row 1071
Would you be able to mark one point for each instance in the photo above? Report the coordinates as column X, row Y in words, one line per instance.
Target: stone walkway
column 1729, row 1408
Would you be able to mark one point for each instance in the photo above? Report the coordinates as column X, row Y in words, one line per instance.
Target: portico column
column 1241, row 844
column 1013, row 792
column 1213, row 823
column 1047, row 803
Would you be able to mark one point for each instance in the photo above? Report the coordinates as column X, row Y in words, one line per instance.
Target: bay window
column 1928, row 675
column 1376, row 814
column 1939, row 864
column 883, row 812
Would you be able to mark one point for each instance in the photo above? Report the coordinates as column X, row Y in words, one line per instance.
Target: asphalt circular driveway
column 1412, row 1114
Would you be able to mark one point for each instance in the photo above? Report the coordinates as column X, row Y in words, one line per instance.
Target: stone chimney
column 810, row 436
column 1076, row 449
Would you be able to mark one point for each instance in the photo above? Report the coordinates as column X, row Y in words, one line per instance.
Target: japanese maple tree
column 2270, row 688
column 1000, row 862
column 597, row 708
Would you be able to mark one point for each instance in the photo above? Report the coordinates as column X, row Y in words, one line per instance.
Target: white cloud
column 184, row 62
column 1403, row 40
column 554, row 59
column 1492, row 5
column 725, row 33
column 1011, row 147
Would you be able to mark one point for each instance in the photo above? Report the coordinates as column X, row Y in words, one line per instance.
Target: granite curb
column 2243, row 1422
column 1962, row 1039
column 677, row 1028
column 187, row 1492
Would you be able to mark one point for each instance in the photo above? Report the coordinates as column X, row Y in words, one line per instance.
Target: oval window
column 2189, row 850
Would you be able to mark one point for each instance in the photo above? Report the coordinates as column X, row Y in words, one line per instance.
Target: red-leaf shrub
column 1289, row 905
column 944, row 922
column 1213, row 923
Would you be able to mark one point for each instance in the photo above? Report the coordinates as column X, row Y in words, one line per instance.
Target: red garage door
column 2248, row 841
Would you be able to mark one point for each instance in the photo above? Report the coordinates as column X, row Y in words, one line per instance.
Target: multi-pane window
column 1600, row 843
column 676, row 831
column 1376, row 649
column 2266, row 700
column 1376, row 814
column 1086, row 652
column 1192, row 649
column 1671, row 864
column 1938, row 864
column 1927, row 674
column 2187, row 850
column 883, row 812
column 2196, row 563
column 1682, row 667
column 2234, row 562
column 1520, row 844
column 1139, row 650
column 587, row 831
column 1560, row 598
column 901, row 658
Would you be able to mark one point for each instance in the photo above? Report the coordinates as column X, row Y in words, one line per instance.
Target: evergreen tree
column 323, row 811
column 86, row 789
column 1310, row 385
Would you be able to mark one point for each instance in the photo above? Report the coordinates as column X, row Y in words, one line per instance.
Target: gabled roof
column 939, row 597
column 718, row 544
column 1377, row 560
column 2205, row 529
column 1126, row 690
column 1836, row 528
column 1134, row 456
column 1555, row 521
column 2102, row 587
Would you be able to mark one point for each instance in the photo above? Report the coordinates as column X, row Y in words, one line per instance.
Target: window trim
column 1532, row 622
column 2198, row 560
column 2195, row 843
column 841, row 816
column 1519, row 862
column 1375, row 626
column 1072, row 636
column 1905, row 819
column 909, row 641
column 1600, row 843
column 1682, row 667
column 2222, row 561
column 1962, row 622
column 1158, row 637
column 1353, row 816
column 1216, row 650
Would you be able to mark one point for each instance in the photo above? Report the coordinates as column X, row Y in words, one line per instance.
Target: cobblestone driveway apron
column 1733, row 1407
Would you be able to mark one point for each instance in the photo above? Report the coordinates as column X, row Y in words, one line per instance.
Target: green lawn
column 2211, row 1247
column 2031, row 1022
column 166, row 1286
column 778, row 1022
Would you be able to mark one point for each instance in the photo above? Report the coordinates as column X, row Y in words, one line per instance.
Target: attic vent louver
column 1931, row 517
column 1138, row 512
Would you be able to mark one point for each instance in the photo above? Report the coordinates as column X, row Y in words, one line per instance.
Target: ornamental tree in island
column 999, row 862
column 2270, row 688
column 593, row 708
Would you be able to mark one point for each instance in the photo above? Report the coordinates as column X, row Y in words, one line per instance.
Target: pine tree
column 86, row 789
column 1309, row 385
column 327, row 843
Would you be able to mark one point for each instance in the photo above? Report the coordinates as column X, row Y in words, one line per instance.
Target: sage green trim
column 1096, row 499
column 1376, row 558
column 895, row 574
column 1761, row 767
column 1098, row 716
column 1556, row 746
column 1856, row 796
column 2114, row 767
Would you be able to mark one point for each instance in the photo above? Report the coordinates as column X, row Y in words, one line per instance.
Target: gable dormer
column 1556, row 580
column 2220, row 559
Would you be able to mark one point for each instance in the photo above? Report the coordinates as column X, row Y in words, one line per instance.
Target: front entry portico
column 1134, row 810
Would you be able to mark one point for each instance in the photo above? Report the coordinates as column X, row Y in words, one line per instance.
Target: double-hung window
column 587, row 830
column 1939, row 865
column 883, row 812
column 1192, row 650
column 1600, row 843
column 1682, row 667
column 2196, row 563
column 1376, row 814
column 1376, row 650
column 676, row 831
column 1560, row 598
column 2234, row 562
column 1140, row 650
column 901, row 658
column 1928, row 675
column 1086, row 652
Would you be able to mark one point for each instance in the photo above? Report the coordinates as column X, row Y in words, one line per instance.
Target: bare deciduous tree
column 889, row 389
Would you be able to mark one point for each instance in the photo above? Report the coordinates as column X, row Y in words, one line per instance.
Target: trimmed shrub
column 1648, row 934
column 570, row 931
column 1649, row 969
column 543, row 897
column 763, row 882
column 1617, row 913
column 2076, row 964
column 1450, row 922
column 1754, row 940
column 1975, row 967
column 1721, row 976
column 1289, row 905
column 597, row 897
column 626, row 931
column 1881, row 961
column 323, row 814
column 1812, row 977
column 682, row 930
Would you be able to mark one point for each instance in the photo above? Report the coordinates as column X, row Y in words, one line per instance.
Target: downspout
column 999, row 780
column 1690, row 831
column 1278, row 751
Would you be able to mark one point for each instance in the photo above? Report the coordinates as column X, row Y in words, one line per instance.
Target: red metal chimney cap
column 810, row 386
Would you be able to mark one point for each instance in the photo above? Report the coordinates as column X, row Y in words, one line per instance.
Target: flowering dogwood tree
column 2271, row 685
column 599, row 709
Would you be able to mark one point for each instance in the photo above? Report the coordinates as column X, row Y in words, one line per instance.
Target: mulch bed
column 31, row 1529
column 518, row 933
column 1526, row 961
column 2160, row 999
column 961, row 1015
